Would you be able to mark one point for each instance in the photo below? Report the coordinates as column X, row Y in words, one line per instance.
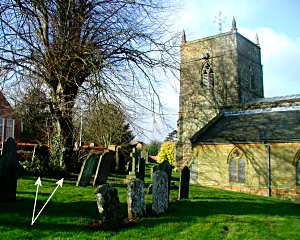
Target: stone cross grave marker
column 8, row 171
column 87, row 170
column 184, row 183
column 135, row 199
column 103, row 168
column 133, row 156
column 160, row 194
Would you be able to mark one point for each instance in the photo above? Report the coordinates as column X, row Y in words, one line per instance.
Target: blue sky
column 277, row 25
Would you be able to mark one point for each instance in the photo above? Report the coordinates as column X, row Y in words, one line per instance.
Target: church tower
column 216, row 72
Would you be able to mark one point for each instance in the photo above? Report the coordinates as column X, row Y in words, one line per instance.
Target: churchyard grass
column 208, row 214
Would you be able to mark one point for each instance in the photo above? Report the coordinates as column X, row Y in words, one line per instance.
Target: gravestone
column 8, row 171
column 160, row 194
column 167, row 168
column 108, row 203
column 184, row 183
column 135, row 199
column 134, row 157
column 121, row 160
column 145, row 155
column 140, row 168
column 87, row 170
column 103, row 168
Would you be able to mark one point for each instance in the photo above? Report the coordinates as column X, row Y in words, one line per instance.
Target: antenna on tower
column 219, row 21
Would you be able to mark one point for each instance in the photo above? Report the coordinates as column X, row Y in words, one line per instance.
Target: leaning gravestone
column 135, row 199
column 160, row 194
column 87, row 170
column 8, row 171
column 184, row 183
column 108, row 204
column 103, row 168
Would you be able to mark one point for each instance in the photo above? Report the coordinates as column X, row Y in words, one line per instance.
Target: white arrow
column 59, row 184
column 38, row 183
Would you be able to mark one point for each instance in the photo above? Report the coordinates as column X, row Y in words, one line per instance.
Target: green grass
column 208, row 214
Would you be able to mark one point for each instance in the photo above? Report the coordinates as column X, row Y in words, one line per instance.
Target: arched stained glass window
column 298, row 173
column 237, row 166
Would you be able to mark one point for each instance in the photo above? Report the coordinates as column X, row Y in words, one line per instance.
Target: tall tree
column 32, row 109
column 114, row 46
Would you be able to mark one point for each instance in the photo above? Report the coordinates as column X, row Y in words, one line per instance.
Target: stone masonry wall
column 229, row 55
column 210, row 167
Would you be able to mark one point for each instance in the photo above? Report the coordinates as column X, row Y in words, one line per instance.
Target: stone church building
column 229, row 135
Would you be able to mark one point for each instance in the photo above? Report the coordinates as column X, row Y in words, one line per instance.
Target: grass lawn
column 208, row 214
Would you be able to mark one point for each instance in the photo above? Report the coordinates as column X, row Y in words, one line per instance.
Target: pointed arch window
column 251, row 76
column 298, row 173
column 237, row 166
column 208, row 81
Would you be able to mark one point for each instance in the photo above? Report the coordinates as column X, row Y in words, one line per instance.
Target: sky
column 275, row 21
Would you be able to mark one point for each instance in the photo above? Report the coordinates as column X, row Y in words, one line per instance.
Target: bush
column 153, row 148
column 167, row 152
column 40, row 164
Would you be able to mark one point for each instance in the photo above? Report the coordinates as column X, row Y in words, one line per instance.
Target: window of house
column 10, row 127
column 237, row 166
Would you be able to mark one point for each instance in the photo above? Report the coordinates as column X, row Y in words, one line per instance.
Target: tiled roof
column 272, row 125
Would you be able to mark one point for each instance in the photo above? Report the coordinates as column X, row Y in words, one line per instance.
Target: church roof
column 252, row 126
column 288, row 98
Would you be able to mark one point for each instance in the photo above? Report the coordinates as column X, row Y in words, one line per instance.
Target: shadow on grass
column 181, row 211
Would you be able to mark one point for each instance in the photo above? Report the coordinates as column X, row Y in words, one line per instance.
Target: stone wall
column 229, row 55
column 210, row 167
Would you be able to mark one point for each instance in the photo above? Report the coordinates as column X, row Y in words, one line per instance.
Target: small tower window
column 207, row 76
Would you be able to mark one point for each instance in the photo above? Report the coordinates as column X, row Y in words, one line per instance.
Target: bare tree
column 113, row 46
column 106, row 124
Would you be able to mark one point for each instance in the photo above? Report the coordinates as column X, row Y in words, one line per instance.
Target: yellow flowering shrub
column 167, row 152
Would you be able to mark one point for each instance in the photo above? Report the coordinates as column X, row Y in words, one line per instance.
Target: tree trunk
column 63, row 144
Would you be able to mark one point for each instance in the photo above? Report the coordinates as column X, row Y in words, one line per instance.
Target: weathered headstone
column 160, row 194
column 184, row 183
column 140, row 168
column 167, row 168
column 103, row 168
column 87, row 170
column 135, row 199
column 8, row 171
column 108, row 203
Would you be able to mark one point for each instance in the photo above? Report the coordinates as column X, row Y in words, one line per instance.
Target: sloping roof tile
column 270, row 126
